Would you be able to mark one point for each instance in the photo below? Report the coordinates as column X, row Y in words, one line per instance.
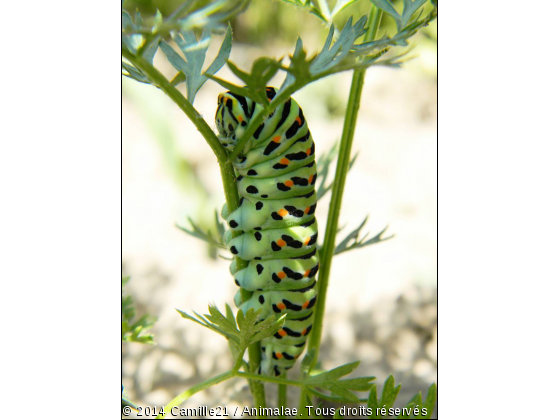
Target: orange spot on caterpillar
column 276, row 139
column 307, row 241
column 281, row 306
column 298, row 119
column 289, row 183
column 281, row 274
column 305, row 305
column 307, row 210
column 281, row 243
column 279, row 355
column 310, row 179
column 239, row 118
column 306, row 274
column 308, row 151
column 304, row 331
column 283, row 212
column 282, row 333
column 284, row 161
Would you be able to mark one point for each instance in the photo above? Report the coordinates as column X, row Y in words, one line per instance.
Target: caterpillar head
column 233, row 116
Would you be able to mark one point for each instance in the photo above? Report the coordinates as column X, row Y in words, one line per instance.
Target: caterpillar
column 276, row 175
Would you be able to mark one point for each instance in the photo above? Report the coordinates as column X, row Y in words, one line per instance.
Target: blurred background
column 381, row 305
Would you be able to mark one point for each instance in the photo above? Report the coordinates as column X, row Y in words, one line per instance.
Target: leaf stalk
column 342, row 166
column 228, row 181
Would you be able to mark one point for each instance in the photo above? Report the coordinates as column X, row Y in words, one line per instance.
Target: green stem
column 161, row 82
column 179, row 399
column 282, row 396
column 342, row 166
column 257, row 388
column 228, row 181
column 271, row 379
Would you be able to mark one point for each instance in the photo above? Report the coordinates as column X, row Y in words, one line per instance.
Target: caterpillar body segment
column 275, row 222
column 274, row 243
column 301, row 153
column 257, row 214
column 277, row 274
column 299, row 182
column 294, row 303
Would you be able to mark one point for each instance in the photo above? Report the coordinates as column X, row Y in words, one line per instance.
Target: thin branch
column 228, row 180
column 343, row 163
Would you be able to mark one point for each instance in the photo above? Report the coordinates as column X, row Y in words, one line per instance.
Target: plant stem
column 282, row 396
column 271, row 379
column 228, row 181
column 161, row 82
column 342, row 166
column 179, row 399
column 257, row 388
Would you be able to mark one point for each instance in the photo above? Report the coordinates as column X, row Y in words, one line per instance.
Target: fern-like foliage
column 355, row 240
column 194, row 52
column 414, row 409
column 337, row 55
column 241, row 331
column 192, row 14
column 320, row 8
column 144, row 40
column 133, row 329
column 214, row 239
column 341, row 53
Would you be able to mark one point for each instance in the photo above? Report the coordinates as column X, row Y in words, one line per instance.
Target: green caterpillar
column 276, row 180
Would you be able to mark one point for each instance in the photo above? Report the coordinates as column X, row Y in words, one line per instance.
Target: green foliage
column 430, row 401
column 190, row 15
column 415, row 405
column 240, row 331
column 194, row 52
column 132, row 329
column 409, row 8
column 331, row 381
column 138, row 38
column 353, row 240
column 321, row 8
column 406, row 29
column 336, row 56
column 262, row 71
column 309, row 5
column 389, row 395
column 144, row 40
column 136, row 43
column 190, row 27
column 214, row 239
